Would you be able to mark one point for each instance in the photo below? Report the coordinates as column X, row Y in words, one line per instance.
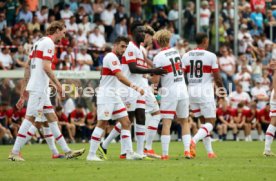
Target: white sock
column 151, row 131
column 59, row 137
column 203, row 132
column 186, row 139
column 95, row 140
column 112, row 135
column 140, row 135
column 48, row 136
column 31, row 132
column 21, row 136
column 208, row 144
column 165, row 141
column 269, row 136
column 126, row 143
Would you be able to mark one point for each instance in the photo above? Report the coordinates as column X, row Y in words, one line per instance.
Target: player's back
column 174, row 82
column 109, row 82
column 43, row 50
column 199, row 66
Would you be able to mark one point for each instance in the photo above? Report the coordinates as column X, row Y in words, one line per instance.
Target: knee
column 125, row 123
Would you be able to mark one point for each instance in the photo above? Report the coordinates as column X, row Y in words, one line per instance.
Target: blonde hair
column 163, row 37
column 149, row 30
column 54, row 26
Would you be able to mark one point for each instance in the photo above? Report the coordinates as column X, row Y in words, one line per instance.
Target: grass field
column 238, row 161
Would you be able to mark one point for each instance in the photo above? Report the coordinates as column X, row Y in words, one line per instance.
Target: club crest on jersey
column 127, row 105
column 106, row 113
column 49, row 51
column 130, row 54
column 114, row 63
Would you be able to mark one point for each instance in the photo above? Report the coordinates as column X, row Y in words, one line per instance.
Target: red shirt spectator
column 62, row 117
column 225, row 113
column 77, row 116
column 264, row 115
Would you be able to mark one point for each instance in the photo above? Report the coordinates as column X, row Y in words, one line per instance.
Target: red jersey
column 264, row 113
column 15, row 115
column 241, row 114
column 225, row 113
column 62, row 118
column 76, row 116
column 250, row 116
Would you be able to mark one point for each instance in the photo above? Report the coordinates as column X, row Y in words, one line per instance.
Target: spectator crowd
column 92, row 27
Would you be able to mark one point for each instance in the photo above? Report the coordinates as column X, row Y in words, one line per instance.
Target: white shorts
column 151, row 103
column 207, row 110
column 179, row 108
column 112, row 111
column 39, row 104
column 272, row 109
column 134, row 102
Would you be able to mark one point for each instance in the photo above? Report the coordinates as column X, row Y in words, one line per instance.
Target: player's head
column 120, row 45
column 239, row 88
column 240, row 106
column 253, row 105
column 202, row 40
column 138, row 31
column 58, row 110
column 267, row 106
column 163, row 38
column 79, row 108
column 149, row 32
column 56, row 30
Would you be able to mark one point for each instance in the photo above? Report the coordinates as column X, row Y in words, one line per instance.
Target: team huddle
column 125, row 95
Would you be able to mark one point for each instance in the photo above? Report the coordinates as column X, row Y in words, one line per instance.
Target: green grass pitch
column 237, row 161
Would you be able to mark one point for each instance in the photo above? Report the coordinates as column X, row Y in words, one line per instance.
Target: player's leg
column 115, row 132
column 269, row 136
column 182, row 113
column 168, row 111
column 259, row 130
column 153, row 122
column 224, row 131
column 53, row 125
column 48, row 136
column 96, row 138
column 208, row 111
column 71, row 131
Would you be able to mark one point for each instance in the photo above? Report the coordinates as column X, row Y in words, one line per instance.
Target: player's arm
column 221, row 118
column 137, row 70
column 148, row 61
column 48, row 70
column 219, row 84
column 120, row 76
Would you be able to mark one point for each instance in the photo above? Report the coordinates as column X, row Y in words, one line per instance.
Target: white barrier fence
column 67, row 74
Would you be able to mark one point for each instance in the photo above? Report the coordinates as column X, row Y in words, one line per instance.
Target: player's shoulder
column 111, row 56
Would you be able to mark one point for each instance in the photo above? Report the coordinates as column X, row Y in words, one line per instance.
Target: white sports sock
column 48, row 136
column 208, row 144
column 95, row 140
column 269, row 136
column 59, row 137
column 151, row 131
column 165, row 141
column 203, row 132
column 140, row 135
column 186, row 139
column 112, row 135
column 126, row 142
column 21, row 136
column 30, row 133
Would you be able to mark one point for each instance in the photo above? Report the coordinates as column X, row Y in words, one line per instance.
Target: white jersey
column 173, row 83
column 108, row 82
column 133, row 54
column 144, row 51
column 236, row 98
column 43, row 50
column 199, row 66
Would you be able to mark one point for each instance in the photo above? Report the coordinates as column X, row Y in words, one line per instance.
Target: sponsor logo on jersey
column 49, row 51
column 106, row 113
column 130, row 54
column 114, row 63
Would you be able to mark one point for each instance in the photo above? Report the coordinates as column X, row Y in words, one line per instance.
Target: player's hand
column 159, row 71
column 138, row 89
column 20, row 103
column 25, row 95
column 59, row 89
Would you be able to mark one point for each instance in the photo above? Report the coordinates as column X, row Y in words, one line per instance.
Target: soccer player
column 201, row 67
column 109, row 103
column 174, row 94
column 38, row 73
column 133, row 67
column 270, row 132
column 151, row 107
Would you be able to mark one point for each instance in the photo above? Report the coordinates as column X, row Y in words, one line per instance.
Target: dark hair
column 240, row 105
column 58, row 108
column 135, row 24
column 200, row 38
column 121, row 38
column 109, row 6
column 44, row 7
column 79, row 106
column 54, row 26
